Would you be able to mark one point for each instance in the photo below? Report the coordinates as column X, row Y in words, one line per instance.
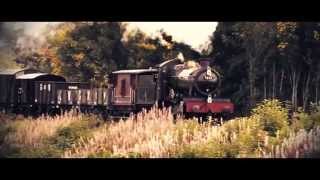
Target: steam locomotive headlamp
column 209, row 73
column 209, row 99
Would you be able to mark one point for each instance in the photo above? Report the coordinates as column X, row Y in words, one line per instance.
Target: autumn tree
column 88, row 50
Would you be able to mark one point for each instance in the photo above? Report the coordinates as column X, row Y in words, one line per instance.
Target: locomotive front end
column 194, row 90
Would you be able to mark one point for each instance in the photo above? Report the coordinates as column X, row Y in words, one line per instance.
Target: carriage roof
column 41, row 77
column 16, row 71
column 135, row 71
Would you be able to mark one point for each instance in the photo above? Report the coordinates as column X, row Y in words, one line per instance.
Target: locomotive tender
column 190, row 88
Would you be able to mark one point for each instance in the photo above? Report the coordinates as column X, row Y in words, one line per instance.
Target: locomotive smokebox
column 192, row 76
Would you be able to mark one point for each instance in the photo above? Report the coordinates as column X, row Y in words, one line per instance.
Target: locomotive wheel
column 26, row 112
column 105, row 115
column 53, row 112
column 96, row 111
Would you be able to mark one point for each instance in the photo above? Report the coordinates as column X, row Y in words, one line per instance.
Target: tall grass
column 155, row 134
column 150, row 134
column 31, row 134
column 299, row 144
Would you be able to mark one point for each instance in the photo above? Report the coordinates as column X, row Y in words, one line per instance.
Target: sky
column 192, row 33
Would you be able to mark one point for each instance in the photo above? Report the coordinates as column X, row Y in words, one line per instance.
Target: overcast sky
column 192, row 33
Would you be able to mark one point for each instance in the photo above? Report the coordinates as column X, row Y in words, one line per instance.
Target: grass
column 42, row 137
column 266, row 133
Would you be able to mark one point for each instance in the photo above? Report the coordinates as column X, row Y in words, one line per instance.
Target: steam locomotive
column 190, row 88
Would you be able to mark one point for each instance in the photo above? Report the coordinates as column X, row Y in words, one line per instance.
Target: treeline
column 88, row 51
column 258, row 60
column 263, row 60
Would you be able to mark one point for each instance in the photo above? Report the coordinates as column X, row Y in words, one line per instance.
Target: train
column 190, row 88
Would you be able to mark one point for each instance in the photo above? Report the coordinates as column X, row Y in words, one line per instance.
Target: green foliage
column 5, row 129
column 145, row 51
column 302, row 120
column 68, row 136
column 101, row 155
column 246, row 137
column 202, row 151
column 48, row 152
column 52, row 146
column 90, row 50
column 315, row 118
column 261, row 60
column 273, row 116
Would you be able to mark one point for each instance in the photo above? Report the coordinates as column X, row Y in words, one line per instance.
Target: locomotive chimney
column 204, row 63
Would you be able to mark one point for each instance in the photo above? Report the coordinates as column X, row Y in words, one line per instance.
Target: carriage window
column 104, row 95
column 59, row 96
column 79, row 96
column 44, row 87
column 95, row 97
column 49, row 87
column 88, row 96
column 69, row 97
column 123, row 87
column 40, row 86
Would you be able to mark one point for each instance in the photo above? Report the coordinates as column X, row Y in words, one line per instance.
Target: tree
column 89, row 50
column 145, row 51
column 268, row 60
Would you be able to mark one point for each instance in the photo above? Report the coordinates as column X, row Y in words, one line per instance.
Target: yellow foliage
column 147, row 46
column 79, row 56
column 282, row 45
column 60, row 34
column 284, row 27
column 52, row 56
column 316, row 35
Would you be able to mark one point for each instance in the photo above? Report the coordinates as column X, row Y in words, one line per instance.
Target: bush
column 44, row 136
column 273, row 117
column 315, row 118
column 302, row 120
column 66, row 137
column 301, row 144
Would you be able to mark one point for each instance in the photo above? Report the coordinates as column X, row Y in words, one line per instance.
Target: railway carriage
column 132, row 91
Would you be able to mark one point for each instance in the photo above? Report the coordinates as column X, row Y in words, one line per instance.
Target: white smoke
column 33, row 36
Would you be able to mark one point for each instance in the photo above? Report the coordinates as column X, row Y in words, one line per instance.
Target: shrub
column 67, row 136
column 299, row 144
column 273, row 117
column 315, row 118
column 301, row 120
column 63, row 135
